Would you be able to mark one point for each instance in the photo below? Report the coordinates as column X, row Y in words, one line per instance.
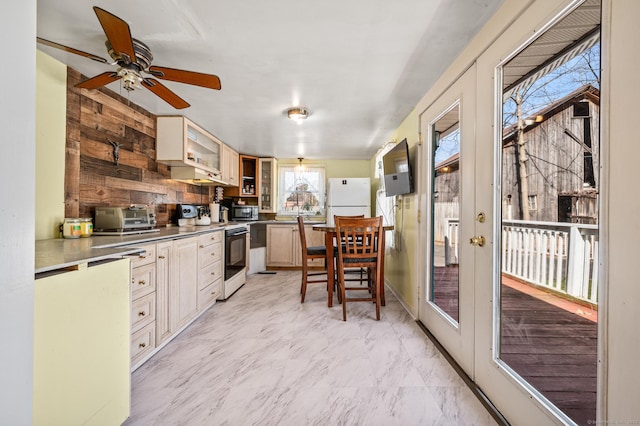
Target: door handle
column 477, row 241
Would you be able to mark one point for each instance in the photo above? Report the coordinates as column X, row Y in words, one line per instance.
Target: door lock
column 477, row 241
column 481, row 217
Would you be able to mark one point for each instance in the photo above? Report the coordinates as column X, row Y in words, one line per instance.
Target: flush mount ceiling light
column 298, row 114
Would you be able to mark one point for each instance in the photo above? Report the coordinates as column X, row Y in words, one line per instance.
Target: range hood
column 196, row 176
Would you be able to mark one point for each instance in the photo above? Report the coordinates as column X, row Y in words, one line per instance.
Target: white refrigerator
column 348, row 197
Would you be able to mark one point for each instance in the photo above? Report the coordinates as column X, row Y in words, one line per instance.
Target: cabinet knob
column 160, row 257
column 213, row 273
column 201, row 245
column 141, row 313
column 142, row 345
column 142, row 282
column 142, row 256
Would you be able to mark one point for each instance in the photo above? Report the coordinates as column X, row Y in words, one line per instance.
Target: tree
column 521, row 155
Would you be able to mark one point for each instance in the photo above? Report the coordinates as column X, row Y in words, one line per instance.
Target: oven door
column 235, row 255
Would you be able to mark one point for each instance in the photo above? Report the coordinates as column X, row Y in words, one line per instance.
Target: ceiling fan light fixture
column 133, row 57
column 298, row 114
column 130, row 79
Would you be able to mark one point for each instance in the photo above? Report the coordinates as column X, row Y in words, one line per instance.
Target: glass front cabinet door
column 182, row 143
column 267, row 197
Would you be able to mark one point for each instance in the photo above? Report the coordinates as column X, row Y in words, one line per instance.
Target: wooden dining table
column 330, row 232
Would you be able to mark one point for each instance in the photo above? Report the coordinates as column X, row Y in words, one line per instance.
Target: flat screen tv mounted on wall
column 397, row 170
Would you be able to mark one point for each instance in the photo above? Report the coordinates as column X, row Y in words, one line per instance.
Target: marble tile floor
column 262, row 358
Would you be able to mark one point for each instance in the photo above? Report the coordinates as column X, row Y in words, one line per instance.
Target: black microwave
column 244, row 212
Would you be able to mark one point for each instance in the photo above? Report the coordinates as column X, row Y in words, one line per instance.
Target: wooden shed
column 562, row 147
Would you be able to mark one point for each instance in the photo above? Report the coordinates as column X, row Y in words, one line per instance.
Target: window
column 301, row 190
column 581, row 109
column 533, row 202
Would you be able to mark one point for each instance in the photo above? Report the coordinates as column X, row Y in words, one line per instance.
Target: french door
column 446, row 303
column 509, row 217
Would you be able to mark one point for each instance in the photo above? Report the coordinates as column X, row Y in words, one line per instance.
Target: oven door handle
column 233, row 232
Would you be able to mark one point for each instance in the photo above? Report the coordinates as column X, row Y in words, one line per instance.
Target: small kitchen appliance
column 203, row 218
column 133, row 219
column 244, row 212
column 192, row 214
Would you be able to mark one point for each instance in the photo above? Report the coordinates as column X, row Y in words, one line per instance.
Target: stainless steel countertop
column 61, row 253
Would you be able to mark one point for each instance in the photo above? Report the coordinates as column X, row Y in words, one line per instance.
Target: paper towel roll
column 214, row 212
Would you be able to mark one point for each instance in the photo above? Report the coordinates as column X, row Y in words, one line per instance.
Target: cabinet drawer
column 149, row 256
column 143, row 311
column 209, row 254
column 143, row 342
column 209, row 294
column 209, row 274
column 210, row 238
column 143, row 280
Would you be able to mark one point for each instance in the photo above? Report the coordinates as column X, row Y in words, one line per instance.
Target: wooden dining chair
column 360, row 241
column 359, row 271
column 309, row 253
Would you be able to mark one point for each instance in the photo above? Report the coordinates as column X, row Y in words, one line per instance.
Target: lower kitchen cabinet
column 143, row 303
column 143, row 312
column 164, row 252
column 283, row 245
column 184, row 295
column 210, row 272
column 143, row 342
column 172, row 282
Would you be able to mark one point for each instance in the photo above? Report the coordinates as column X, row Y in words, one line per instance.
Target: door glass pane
column 445, row 212
column 550, row 160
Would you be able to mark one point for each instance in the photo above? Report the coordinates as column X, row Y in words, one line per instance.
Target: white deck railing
column 559, row 256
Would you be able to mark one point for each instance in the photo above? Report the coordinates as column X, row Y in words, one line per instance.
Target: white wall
column 17, row 195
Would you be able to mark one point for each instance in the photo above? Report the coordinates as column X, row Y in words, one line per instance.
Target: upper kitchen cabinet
column 267, row 196
column 230, row 166
column 249, row 176
column 180, row 142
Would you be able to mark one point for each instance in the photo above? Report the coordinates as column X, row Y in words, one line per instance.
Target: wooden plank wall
column 555, row 163
column 96, row 117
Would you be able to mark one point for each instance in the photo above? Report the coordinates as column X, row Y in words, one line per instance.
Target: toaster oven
column 123, row 218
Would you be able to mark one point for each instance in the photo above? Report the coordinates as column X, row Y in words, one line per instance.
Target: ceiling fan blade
column 167, row 95
column 118, row 34
column 71, row 50
column 99, row 80
column 188, row 77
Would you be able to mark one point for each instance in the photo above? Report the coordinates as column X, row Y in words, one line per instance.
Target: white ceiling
column 359, row 66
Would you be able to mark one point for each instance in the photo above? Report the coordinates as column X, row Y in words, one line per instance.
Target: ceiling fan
column 133, row 58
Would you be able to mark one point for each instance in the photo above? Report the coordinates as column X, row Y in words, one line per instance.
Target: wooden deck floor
column 549, row 341
column 553, row 349
column 445, row 293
